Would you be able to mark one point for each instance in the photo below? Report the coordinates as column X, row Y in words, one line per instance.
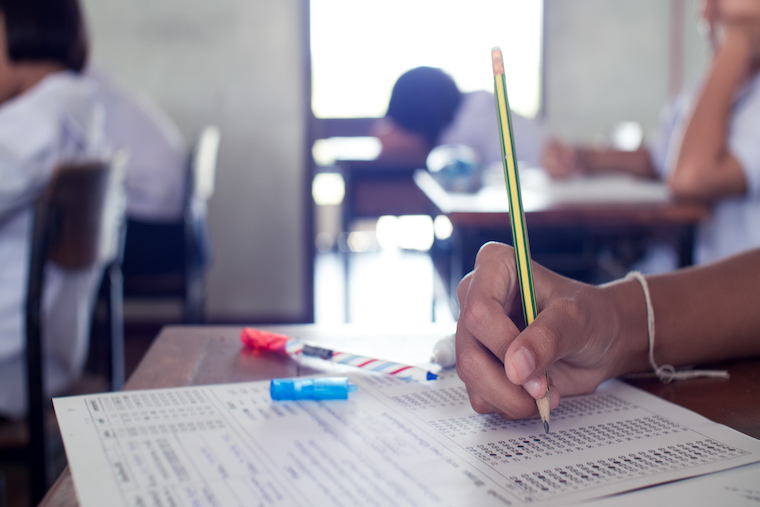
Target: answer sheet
column 390, row 443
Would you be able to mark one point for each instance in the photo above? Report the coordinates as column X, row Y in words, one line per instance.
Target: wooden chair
column 77, row 224
column 170, row 260
column 375, row 188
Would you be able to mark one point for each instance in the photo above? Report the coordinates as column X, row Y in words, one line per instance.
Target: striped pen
column 398, row 370
column 273, row 342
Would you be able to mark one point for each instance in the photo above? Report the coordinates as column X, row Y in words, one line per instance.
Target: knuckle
column 466, row 366
column 574, row 311
column 474, row 315
column 489, row 251
column 463, row 287
column 546, row 344
column 480, row 406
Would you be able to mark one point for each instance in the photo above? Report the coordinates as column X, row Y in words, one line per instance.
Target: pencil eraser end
column 497, row 60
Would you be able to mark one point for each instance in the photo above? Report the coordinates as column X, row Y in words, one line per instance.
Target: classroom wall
column 237, row 64
column 607, row 62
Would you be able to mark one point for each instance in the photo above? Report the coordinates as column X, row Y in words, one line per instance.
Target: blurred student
column 427, row 109
column 709, row 145
column 157, row 165
column 586, row 334
column 49, row 114
column 156, row 172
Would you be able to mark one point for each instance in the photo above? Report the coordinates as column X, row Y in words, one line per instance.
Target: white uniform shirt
column 157, row 164
column 734, row 225
column 475, row 125
column 59, row 120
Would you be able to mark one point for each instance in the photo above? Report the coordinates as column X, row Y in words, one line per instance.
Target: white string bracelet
column 666, row 373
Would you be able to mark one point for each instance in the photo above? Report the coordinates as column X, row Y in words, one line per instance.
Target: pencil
column 516, row 213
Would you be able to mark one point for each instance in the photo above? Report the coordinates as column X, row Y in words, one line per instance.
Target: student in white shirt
column 709, row 145
column 49, row 114
column 156, row 168
column 156, row 174
column 427, row 109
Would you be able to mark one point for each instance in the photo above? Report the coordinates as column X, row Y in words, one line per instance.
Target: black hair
column 45, row 30
column 424, row 101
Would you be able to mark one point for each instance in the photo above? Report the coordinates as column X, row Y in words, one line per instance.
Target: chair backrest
column 77, row 223
column 84, row 209
column 200, row 189
column 203, row 163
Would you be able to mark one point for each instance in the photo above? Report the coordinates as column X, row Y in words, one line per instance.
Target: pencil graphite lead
column 544, row 405
column 543, row 409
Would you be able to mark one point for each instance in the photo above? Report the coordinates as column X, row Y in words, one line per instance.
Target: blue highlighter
column 321, row 388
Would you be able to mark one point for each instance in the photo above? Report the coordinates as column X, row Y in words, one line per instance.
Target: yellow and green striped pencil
column 516, row 213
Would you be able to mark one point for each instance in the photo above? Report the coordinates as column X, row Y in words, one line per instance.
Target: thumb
column 545, row 341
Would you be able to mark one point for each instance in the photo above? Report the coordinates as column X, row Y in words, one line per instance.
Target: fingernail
column 524, row 363
column 533, row 386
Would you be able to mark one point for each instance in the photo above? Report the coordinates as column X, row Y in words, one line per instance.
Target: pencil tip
column 546, row 426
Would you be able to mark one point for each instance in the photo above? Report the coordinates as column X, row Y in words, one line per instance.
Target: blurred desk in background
column 586, row 228
column 376, row 188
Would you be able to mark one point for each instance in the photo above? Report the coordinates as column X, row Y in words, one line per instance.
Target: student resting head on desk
column 49, row 114
column 586, row 334
column 427, row 109
column 708, row 147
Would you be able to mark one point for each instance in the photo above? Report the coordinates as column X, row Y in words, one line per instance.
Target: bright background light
column 359, row 48
column 328, row 188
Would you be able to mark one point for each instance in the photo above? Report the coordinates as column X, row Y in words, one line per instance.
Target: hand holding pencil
column 499, row 295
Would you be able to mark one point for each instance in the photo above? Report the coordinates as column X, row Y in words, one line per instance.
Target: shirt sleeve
column 26, row 138
column 659, row 145
column 744, row 139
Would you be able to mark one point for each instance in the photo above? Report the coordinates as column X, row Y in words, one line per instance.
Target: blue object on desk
column 323, row 388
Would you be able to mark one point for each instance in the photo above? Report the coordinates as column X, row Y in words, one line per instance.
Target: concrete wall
column 237, row 64
column 607, row 62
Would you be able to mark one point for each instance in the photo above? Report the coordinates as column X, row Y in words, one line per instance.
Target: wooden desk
column 569, row 222
column 596, row 202
column 184, row 356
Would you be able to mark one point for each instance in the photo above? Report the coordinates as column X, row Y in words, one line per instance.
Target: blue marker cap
column 333, row 388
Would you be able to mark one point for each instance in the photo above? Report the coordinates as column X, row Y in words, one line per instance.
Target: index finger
column 488, row 387
column 490, row 298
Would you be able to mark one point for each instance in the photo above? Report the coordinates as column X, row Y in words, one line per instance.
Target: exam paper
column 390, row 443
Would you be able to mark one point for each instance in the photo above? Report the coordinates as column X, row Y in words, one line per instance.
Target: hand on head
column 735, row 18
column 560, row 160
column 574, row 337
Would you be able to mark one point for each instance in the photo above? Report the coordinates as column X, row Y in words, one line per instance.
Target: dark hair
column 45, row 30
column 424, row 101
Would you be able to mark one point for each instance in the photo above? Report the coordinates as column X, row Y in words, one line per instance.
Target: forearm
column 702, row 315
column 636, row 163
column 704, row 167
column 709, row 313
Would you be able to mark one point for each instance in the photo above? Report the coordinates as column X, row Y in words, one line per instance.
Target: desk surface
column 601, row 201
column 183, row 356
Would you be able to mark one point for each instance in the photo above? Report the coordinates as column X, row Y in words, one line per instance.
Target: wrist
column 630, row 342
